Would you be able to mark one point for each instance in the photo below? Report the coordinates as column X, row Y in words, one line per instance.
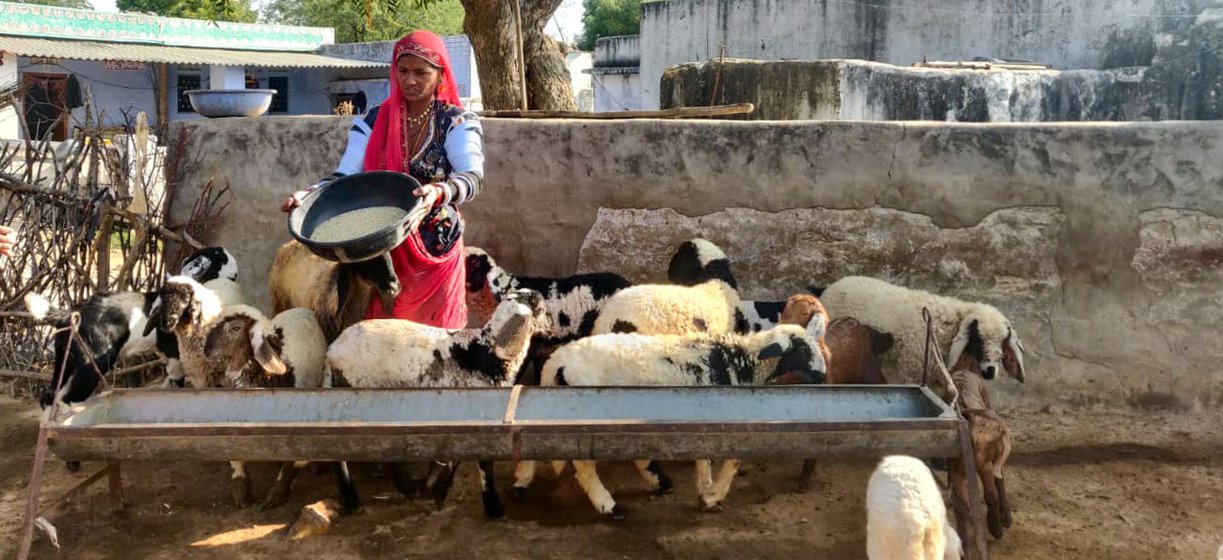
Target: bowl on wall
column 214, row 103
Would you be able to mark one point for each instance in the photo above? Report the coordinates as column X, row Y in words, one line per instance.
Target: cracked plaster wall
column 1103, row 241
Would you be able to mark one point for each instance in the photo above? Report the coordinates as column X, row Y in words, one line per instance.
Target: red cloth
column 433, row 287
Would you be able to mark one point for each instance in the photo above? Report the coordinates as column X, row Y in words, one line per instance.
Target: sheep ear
column 817, row 326
column 1012, row 356
column 267, row 356
column 150, row 322
column 773, row 350
column 958, row 344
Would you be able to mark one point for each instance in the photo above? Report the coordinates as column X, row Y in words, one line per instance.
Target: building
column 131, row 63
column 616, row 73
column 462, row 63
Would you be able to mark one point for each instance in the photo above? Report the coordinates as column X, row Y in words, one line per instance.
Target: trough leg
column 32, row 492
column 966, row 498
column 115, row 477
column 349, row 500
column 807, row 476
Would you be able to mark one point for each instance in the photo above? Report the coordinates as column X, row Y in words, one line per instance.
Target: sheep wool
column 960, row 327
column 709, row 307
column 905, row 515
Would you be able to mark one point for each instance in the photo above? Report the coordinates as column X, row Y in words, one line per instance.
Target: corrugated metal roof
column 99, row 50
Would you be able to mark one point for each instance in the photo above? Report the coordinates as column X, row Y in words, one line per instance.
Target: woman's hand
column 293, row 201
column 429, row 196
column 8, row 238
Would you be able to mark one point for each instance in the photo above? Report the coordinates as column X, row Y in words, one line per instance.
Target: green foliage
column 608, row 18
column 82, row 4
column 387, row 19
column 214, row 10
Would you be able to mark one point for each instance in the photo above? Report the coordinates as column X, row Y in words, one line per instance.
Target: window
column 280, row 100
column 186, row 82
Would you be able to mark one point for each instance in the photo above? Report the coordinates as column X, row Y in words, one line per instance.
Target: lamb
column 677, row 360
column 338, row 294
column 572, row 303
column 186, row 308
column 113, row 328
column 991, row 444
column 287, row 350
column 705, row 298
column 960, row 327
column 392, row 353
column 905, row 515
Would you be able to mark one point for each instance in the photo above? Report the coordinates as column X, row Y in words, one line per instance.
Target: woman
column 422, row 130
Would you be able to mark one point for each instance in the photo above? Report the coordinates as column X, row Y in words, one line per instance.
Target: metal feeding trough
column 540, row 422
column 603, row 423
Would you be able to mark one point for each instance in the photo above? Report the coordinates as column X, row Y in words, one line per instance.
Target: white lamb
column 905, row 515
column 678, row 360
column 960, row 327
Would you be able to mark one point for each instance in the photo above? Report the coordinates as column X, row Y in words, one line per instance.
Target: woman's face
column 417, row 79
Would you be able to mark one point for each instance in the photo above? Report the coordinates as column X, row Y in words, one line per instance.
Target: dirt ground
column 1083, row 484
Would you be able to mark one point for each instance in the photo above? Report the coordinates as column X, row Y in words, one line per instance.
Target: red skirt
column 433, row 288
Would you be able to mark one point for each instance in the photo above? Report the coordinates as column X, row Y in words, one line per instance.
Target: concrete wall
column 1103, row 242
column 860, row 90
column 1069, row 34
column 622, row 50
column 616, row 91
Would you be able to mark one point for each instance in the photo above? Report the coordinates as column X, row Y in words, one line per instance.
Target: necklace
column 421, row 118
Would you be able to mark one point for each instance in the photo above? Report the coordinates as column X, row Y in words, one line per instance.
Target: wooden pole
column 521, row 54
column 675, row 113
column 163, row 94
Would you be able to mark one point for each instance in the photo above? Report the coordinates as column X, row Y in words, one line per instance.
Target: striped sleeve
column 464, row 150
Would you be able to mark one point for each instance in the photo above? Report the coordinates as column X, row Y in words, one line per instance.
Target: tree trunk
column 489, row 24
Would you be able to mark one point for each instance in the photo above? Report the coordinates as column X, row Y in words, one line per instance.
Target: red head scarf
column 385, row 149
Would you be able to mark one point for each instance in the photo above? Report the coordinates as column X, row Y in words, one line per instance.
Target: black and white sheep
column 338, row 294
column 113, row 328
column 677, row 360
column 391, row 353
column 906, row 518
column 287, row 351
column 572, row 302
column 698, row 260
column 960, row 327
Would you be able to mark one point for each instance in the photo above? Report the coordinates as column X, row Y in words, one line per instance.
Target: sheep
column 113, row 327
column 572, row 302
column 390, row 353
column 991, row 444
column 287, row 350
column 906, row 518
column 960, row 327
column 186, row 308
column 338, row 294
column 678, row 360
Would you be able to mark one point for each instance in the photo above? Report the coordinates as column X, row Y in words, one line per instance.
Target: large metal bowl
column 213, row 103
column 346, row 194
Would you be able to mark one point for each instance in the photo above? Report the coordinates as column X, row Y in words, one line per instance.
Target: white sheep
column 679, row 360
column 709, row 308
column 906, row 518
column 960, row 327
column 392, row 353
column 287, row 350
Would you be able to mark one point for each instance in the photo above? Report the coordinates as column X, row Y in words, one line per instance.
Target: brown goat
column 991, row 444
column 799, row 310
